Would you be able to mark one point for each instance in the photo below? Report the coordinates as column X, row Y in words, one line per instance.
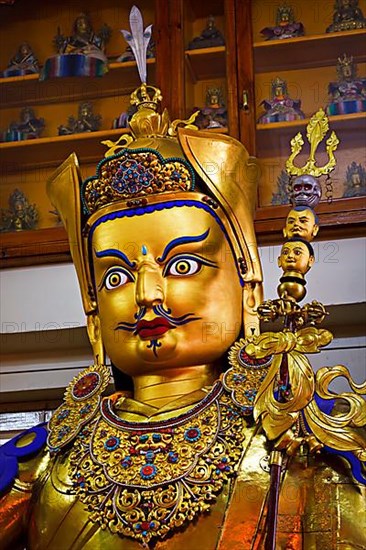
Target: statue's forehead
column 156, row 229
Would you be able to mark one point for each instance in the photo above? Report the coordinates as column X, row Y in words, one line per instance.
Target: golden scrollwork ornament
column 245, row 376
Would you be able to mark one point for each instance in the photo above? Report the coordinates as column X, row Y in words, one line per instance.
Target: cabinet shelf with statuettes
column 307, row 52
column 121, row 79
column 208, row 56
column 292, row 79
column 52, row 151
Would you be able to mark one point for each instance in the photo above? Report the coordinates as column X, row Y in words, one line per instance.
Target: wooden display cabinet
column 244, row 68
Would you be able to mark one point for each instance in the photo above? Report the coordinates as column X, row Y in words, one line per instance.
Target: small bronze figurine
column 281, row 196
column 347, row 16
column 83, row 39
column 209, row 37
column 29, row 127
column 286, row 26
column 348, row 95
column 20, row 215
column 214, row 114
column 76, row 52
column 280, row 108
column 24, row 62
column 87, row 121
column 301, row 222
column 355, row 184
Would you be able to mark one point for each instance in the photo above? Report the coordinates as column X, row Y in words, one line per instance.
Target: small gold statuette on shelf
column 20, row 215
column 355, row 184
column 29, row 127
column 214, row 113
column 286, row 26
column 280, row 108
column 281, row 195
column 80, row 54
column 348, row 94
column 24, row 62
column 347, row 17
column 209, row 37
column 87, row 121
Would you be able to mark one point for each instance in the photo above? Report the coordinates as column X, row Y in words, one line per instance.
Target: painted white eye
column 115, row 279
column 183, row 266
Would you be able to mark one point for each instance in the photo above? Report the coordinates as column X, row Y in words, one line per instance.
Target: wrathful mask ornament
column 163, row 243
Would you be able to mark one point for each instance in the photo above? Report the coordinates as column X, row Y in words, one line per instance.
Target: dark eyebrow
column 115, row 253
column 182, row 240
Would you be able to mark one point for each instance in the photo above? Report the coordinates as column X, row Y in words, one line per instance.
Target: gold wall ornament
column 144, row 480
column 316, row 130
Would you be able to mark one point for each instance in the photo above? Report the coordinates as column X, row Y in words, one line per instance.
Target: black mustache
column 160, row 312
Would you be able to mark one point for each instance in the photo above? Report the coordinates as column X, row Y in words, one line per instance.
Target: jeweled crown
column 134, row 173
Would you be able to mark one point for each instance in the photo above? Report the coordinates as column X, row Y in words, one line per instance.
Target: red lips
column 154, row 328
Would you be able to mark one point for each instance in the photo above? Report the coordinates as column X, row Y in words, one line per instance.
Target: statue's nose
column 150, row 286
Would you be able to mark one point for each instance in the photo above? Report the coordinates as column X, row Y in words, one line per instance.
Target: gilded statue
column 182, row 453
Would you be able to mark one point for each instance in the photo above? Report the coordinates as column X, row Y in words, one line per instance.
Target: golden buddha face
column 301, row 223
column 295, row 256
column 168, row 290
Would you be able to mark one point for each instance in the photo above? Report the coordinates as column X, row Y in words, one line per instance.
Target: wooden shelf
column 340, row 219
column 206, row 63
column 121, row 79
column 40, row 246
column 52, row 151
column 308, row 52
column 345, row 218
column 353, row 120
column 47, row 152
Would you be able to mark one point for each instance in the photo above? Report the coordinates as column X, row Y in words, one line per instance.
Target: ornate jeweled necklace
column 142, row 480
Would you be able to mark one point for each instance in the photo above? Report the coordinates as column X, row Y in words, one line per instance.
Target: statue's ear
column 252, row 298
column 315, row 230
column 95, row 338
